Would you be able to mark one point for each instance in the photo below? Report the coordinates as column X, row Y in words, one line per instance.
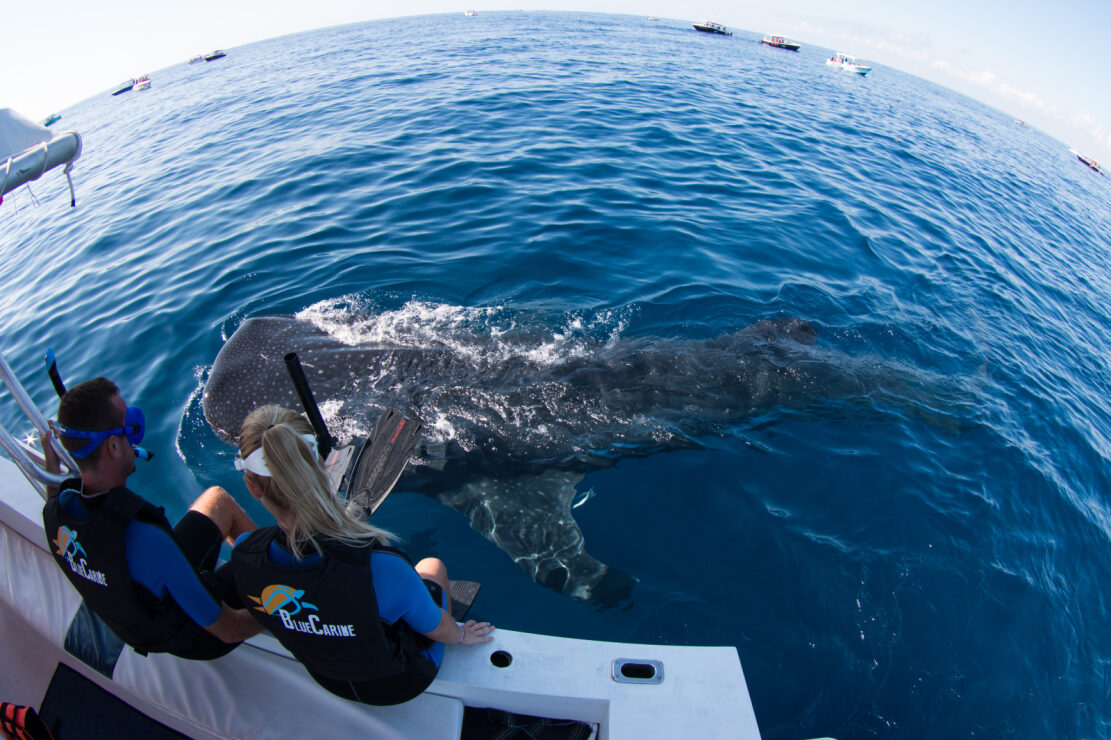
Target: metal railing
column 29, row 460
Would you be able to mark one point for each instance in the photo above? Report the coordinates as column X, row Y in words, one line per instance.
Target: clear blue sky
column 1046, row 63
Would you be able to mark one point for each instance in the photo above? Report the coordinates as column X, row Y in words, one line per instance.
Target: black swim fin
column 381, row 460
column 463, row 594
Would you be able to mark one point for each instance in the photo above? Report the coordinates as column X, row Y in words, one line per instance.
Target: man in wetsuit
column 152, row 585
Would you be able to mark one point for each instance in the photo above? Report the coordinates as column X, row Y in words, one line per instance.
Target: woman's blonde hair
column 298, row 485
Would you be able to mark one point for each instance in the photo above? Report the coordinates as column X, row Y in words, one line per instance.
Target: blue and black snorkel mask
column 134, row 426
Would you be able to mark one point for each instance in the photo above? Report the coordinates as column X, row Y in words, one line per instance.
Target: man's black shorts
column 199, row 539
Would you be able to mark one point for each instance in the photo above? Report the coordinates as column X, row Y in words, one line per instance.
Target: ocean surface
column 924, row 553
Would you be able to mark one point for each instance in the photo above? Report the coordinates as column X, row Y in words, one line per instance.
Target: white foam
column 485, row 335
column 200, row 373
column 343, row 428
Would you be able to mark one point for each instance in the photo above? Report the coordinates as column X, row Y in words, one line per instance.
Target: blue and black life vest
column 327, row 614
column 91, row 552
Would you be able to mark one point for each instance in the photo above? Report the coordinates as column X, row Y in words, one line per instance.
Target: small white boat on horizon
column 1088, row 161
column 711, row 27
column 848, row 63
column 125, row 86
column 141, row 83
column 780, row 42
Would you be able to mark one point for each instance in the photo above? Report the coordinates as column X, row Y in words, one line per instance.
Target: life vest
column 326, row 614
column 22, row 723
column 90, row 552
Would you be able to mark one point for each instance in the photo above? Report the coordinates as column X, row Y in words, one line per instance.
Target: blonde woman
column 366, row 624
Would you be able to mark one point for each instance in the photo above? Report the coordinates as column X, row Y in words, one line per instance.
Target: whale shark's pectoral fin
column 529, row 517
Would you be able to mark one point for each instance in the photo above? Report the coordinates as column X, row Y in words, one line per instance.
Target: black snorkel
column 52, row 371
column 325, row 442
column 60, row 388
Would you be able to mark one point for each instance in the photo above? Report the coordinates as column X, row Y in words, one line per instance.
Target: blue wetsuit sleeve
column 155, row 561
column 401, row 593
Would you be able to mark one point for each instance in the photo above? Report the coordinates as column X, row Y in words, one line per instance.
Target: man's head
column 96, row 406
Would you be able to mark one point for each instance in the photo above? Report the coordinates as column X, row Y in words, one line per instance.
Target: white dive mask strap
column 257, row 465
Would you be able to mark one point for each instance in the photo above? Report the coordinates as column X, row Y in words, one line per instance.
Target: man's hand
column 234, row 625
column 51, row 464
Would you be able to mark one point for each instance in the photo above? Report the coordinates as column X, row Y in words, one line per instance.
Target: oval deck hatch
column 630, row 670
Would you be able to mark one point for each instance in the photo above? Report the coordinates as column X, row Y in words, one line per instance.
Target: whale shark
column 509, row 431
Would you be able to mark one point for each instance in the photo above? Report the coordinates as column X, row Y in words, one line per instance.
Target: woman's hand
column 453, row 633
column 474, row 633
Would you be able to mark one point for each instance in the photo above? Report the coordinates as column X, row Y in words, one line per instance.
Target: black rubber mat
column 75, row 708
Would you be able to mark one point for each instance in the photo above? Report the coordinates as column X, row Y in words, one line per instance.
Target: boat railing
column 30, row 164
column 29, row 460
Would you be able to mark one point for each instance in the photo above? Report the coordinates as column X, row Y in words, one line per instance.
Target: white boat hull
column 859, row 69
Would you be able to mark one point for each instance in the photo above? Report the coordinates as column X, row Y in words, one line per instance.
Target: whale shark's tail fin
column 381, row 460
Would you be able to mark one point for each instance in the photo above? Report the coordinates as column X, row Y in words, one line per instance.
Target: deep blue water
column 927, row 566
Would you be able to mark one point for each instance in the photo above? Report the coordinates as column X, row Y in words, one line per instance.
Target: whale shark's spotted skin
column 508, row 435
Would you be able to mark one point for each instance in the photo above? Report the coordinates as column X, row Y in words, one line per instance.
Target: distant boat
column 653, row 18
column 141, row 83
column 711, row 27
column 1088, row 161
column 779, row 42
column 52, row 118
column 848, row 63
column 124, row 87
column 218, row 54
column 470, row 13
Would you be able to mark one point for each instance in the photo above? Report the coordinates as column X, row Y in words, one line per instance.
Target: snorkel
column 325, row 442
column 134, row 424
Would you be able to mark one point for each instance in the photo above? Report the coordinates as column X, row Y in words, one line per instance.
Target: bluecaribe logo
column 287, row 602
column 75, row 555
